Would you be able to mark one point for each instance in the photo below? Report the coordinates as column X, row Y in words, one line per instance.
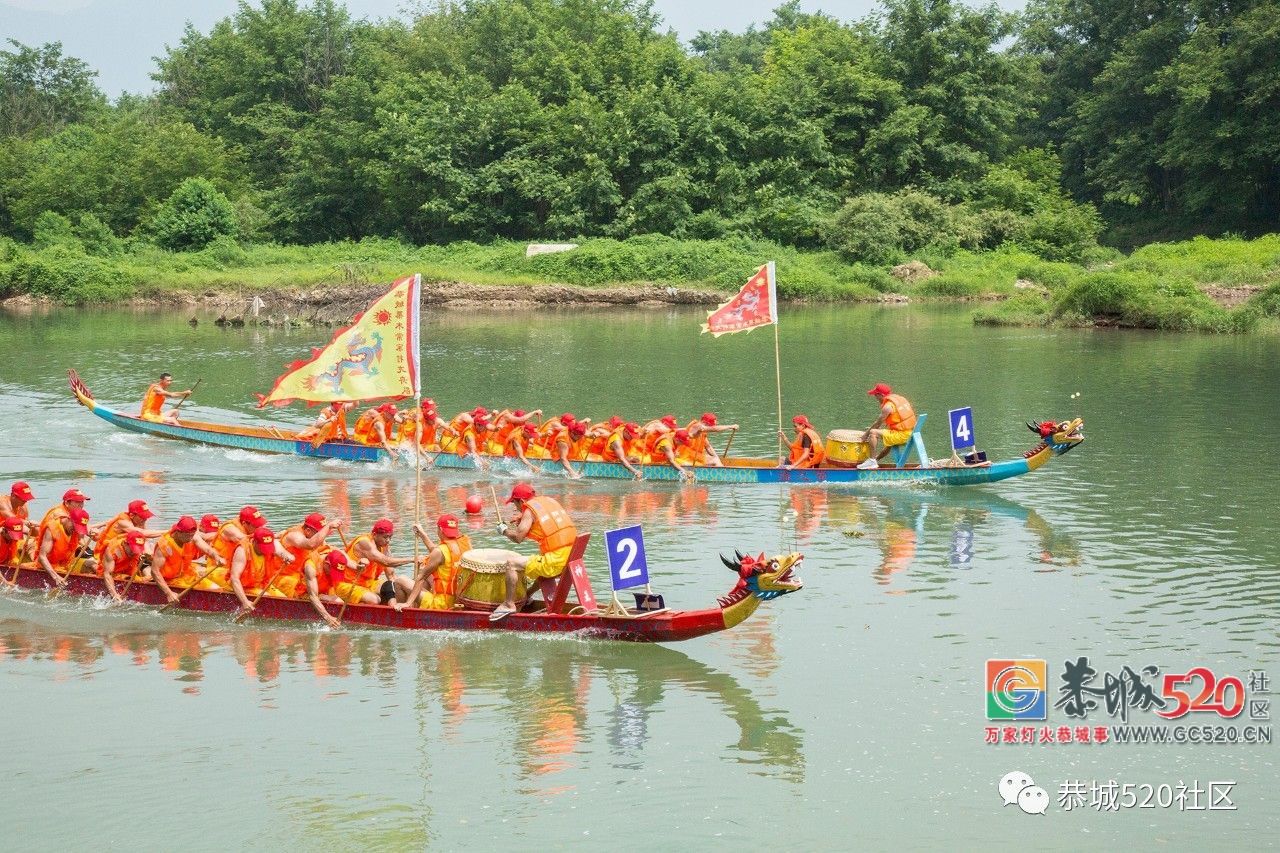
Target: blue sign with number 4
column 627, row 566
column 962, row 428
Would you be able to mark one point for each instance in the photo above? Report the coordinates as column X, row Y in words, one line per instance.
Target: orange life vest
column 152, row 402
column 258, row 568
column 110, row 534
column 178, row 559
column 816, row 451
column 446, row 577
column 365, row 432
column 11, row 553
column 58, row 510
column 608, row 454
column 901, row 416
column 663, row 441
column 64, row 547
column 552, row 528
column 549, row 434
column 125, row 564
column 579, row 449
column 225, row 547
column 695, row 452
column 371, row 571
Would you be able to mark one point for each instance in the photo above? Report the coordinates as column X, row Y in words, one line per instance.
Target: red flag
column 755, row 305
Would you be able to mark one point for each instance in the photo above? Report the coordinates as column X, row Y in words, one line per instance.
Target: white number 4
column 962, row 428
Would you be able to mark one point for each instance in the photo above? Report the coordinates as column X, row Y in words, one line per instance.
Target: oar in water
column 725, row 455
column 134, row 575
column 184, row 399
column 342, row 611
column 74, row 568
column 245, row 614
column 194, row 584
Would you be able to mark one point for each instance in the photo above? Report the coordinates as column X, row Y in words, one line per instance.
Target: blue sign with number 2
column 627, row 566
column 962, row 428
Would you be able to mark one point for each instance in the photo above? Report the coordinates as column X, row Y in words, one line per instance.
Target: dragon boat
column 759, row 579
column 1056, row 438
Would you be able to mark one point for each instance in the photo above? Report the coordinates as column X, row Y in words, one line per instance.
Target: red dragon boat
column 759, row 579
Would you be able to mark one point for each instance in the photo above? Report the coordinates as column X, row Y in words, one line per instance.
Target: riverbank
column 1222, row 285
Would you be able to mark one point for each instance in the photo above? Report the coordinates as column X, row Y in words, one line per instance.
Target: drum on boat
column 482, row 579
column 846, row 448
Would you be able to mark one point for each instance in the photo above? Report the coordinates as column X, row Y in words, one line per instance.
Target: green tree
column 194, row 216
column 41, row 90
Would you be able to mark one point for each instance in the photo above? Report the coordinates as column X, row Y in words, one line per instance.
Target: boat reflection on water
column 549, row 690
column 904, row 524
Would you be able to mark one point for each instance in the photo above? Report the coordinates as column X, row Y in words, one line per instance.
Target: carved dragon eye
column 774, row 564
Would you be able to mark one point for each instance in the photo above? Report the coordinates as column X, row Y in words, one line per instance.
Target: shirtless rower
column 544, row 521
column 15, row 504
column 153, row 401
column 370, row 550
column 439, row 571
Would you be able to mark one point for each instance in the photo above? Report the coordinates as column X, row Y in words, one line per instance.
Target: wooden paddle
column 134, row 575
column 497, row 507
column 184, row 399
column 343, row 610
column 725, row 455
column 245, row 614
column 71, row 570
column 196, row 583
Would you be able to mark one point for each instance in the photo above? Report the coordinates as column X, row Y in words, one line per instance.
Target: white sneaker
column 869, row 465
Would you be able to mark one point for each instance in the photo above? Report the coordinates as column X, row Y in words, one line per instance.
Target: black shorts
column 387, row 591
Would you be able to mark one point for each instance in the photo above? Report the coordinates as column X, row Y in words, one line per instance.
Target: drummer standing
column 544, row 521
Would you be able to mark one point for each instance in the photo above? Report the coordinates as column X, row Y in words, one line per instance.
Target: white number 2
column 962, row 428
column 630, row 548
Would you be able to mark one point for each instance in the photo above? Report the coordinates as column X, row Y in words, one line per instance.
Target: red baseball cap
column 630, row 429
column 337, row 405
column 682, row 435
column 186, row 524
column 384, row 526
column 479, row 412
column 21, row 491
column 336, row 558
column 209, row 523
column 315, row 521
column 481, row 421
column 387, row 408
column 135, row 542
column 567, row 418
column 801, row 420
column 79, row 520
column 520, row 492
column 428, row 403
column 251, row 516
column 13, row 523
column 265, row 540
column 519, row 413
column 615, row 421
column 71, row 495
column 578, row 429
column 668, row 420
column 140, row 508
column 709, row 418
column 530, row 429
column 881, row 390
column 448, row 525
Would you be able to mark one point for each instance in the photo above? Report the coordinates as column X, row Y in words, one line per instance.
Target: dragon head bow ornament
column 762, row 578
column 1059, row 436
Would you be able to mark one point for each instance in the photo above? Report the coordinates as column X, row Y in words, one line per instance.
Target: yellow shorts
column 351, row 593
column 896, row 437
column 548, row 565
column 287, row 586
column 155, row 419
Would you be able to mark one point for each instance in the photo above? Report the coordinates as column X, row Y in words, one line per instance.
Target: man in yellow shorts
column 544, row 521
column 153, row 400
column 894, row 426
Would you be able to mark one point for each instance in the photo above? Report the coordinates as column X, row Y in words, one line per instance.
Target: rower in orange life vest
column 369, row 551
column 330, row 425
column 376, row 427
column 518, row 441
column 255, row 565
column 129, row 521
column 318, row 581
column 121, row 560
column 231, row 533
column 545, row 521
column 436, row 583
column 302, row 541
column 506, row 424
column 472, row 439
column 71, row 499
column 60, row 541
column 806, row 448
column 671, row 447
column 700, row 450
column 562, row 440
column 173, row 561
column 620, row 448
column 451, row 442
column 892, row 428
column 15, row 504
column 652, row 432
column 15, row 547
column 153, row 400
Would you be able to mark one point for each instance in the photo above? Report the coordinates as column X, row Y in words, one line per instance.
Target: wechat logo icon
column 1017, row 788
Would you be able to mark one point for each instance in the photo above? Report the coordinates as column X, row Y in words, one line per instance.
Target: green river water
column 848, row 715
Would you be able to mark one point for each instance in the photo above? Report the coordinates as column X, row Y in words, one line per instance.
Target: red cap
column 448, row 526
column 336, row 558
column 13, row 523
column 615, row 421
column 336, row 405
column 682, row 435
column 668, row 420
column 315, row 521
column 79, row 520
column 479, row 412
column 74, row 495
column 387, row 408
column 630, row 429
column 709, row 418
column 567, row 418
column 135, row 542
column 384, row 526
column 251, row 516
column 428, row 403
column 265, row 540
column 519, row 413
column 209, row 523
column 520, row 492
column 530, row 429
column 140, row 508
column 186, row 524
column 881, row 390
column 577, row 429
column 21, row 492
column 481, row 422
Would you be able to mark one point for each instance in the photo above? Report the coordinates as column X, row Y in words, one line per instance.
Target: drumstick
column 497, row 507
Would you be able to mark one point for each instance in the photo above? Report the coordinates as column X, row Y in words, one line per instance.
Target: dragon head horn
column 733, row 567
column 1033, row 427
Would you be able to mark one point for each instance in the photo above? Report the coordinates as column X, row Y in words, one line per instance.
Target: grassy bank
column 1163, row 286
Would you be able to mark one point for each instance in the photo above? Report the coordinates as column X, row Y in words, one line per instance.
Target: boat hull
column 737, row 471
column 663, row 627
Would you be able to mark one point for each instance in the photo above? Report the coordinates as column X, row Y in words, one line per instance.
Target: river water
column 850, row 714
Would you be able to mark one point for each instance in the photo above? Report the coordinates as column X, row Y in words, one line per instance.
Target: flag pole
column 417, row 431
column 777, row 350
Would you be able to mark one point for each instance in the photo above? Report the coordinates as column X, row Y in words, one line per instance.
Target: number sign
column 627, row 566
column 962, row 428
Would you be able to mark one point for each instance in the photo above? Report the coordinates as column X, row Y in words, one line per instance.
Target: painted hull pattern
column 662, row 627
column 272, row 440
